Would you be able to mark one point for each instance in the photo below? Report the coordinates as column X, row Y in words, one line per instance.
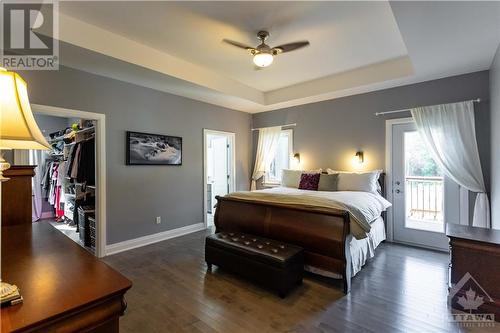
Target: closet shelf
column 85, row 129
column 79, row 196
column 62, row 137
column 57, row 139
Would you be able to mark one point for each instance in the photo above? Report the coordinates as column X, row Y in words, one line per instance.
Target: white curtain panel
column 21, row 157
column 37, row 157
column 266, row 149
column 450, row 134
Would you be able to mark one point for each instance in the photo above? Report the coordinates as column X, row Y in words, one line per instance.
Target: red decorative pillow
column 309, row 181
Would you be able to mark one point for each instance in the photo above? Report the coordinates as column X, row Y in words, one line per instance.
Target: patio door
column 423, row 198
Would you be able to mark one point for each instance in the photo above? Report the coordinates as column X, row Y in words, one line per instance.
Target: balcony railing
column 424, row 199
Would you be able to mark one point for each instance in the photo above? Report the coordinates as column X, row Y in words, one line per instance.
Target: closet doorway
column 69, row 187
column 218, row 170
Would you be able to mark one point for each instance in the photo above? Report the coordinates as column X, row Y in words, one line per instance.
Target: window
column 281, row 159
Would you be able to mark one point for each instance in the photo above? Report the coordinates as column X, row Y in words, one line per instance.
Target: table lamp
column 18, row 130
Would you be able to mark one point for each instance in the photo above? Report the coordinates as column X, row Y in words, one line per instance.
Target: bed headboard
column 381, row 181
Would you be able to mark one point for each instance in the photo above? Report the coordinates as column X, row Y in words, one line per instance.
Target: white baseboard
column 421, row 246
column 154, row 238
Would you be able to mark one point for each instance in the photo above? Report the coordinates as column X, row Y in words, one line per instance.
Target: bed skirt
column 361, row 250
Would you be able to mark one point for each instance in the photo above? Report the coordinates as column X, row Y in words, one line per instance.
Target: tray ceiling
column 355, row 46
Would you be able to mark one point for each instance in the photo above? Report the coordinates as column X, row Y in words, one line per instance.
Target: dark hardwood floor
column 403, row 289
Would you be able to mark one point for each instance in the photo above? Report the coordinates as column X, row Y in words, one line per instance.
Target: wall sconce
column 360, row 157
column 296, row 157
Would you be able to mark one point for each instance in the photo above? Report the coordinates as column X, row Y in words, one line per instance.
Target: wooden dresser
column 17, row 195
column 65, row 288
column 475, row 255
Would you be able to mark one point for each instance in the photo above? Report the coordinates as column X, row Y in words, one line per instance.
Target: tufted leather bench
column 271, row 263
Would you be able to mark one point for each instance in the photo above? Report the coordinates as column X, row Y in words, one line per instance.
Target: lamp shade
column 18, row 128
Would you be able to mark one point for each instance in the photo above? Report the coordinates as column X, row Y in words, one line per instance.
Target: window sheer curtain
column 449, row 132
column 33, row 157
column 21, row 157
column 36, row 157
column 266, row 149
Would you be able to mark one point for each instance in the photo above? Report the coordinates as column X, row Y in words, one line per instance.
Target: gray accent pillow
column 290, row 178
column 328, row 182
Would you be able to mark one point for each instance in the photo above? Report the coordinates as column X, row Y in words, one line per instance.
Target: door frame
column 464, row 193
column 232, row 165
column 100, row 119
column 389, row 123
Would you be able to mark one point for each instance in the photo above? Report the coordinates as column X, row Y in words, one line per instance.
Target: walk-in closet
column 64, row 191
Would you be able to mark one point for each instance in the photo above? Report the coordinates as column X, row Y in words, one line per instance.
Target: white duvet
column 363, row 207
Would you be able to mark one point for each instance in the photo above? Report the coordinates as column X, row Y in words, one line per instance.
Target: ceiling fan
column 263, row 54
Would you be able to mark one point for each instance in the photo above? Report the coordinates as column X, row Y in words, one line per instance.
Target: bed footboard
column 321, row 232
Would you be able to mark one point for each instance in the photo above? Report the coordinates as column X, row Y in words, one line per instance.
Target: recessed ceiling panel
column 343, row 35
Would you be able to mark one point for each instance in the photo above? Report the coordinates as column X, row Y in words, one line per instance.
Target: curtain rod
column 287, row 125
column 477, row 100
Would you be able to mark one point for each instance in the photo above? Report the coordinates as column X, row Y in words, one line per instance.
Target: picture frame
column 153, row 149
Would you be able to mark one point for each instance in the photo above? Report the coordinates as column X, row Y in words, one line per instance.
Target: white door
column 219, row 169
column 423, row 198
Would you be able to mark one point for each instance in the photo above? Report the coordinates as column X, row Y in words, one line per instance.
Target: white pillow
column 357, row 181
column 291, row 178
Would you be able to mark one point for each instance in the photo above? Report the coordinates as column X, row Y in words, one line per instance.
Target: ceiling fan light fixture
column 263, row 54
column 263, row 59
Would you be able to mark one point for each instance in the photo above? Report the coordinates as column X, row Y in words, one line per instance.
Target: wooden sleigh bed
column 323, row 233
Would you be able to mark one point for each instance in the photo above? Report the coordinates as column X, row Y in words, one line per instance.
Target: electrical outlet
column 158, row 219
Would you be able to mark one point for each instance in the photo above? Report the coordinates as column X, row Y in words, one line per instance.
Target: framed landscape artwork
column 153, row 149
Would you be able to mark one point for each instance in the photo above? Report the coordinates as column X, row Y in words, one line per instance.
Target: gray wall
column 495, row 140
column 50, row 124
column 137, row 194
column 8, row 155
column 329, row 133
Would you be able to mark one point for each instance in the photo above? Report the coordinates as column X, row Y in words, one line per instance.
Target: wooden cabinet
column 17, row 195
column 65, row 288
column 475, row 265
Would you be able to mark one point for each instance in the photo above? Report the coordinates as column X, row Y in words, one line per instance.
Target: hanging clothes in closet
column 81, row 161
column 51, row 183
column 68, row 169
column 80, row 168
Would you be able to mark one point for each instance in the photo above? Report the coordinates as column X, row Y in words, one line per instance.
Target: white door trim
column 389, row 123
column 100, row 167
column 232, row 181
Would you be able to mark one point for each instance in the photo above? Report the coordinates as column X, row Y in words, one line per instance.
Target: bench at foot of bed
column 273, row 264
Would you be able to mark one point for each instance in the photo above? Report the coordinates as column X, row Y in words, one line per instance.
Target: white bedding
column 363, row 207
column 361, row 250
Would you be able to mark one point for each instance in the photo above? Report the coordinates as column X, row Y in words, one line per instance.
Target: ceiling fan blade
column 238, row 44
column 291, row 46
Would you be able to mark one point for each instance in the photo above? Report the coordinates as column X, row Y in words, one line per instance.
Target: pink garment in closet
column 57, row 204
